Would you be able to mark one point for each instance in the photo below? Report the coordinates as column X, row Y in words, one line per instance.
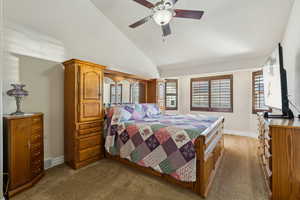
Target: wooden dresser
column 23, row 152
column 83, row 113
column 156, row 92
column 279, row 153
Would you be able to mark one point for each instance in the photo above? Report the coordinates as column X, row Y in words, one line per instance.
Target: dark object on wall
column 19, row 93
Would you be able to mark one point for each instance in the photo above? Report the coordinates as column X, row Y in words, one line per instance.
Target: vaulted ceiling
column 233, row 34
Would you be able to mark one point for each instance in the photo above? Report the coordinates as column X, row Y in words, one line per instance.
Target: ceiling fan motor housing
column 168, row 4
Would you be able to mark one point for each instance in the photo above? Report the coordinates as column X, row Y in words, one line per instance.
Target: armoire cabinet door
column 20, row 152
column 90, row 95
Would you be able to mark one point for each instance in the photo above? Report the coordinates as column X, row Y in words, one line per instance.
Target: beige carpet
column 239, row 178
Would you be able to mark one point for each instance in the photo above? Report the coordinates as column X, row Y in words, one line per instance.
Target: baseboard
column 52, row 162
column 241, row 133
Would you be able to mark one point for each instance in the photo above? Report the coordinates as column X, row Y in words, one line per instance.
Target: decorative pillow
column 138, row 112
column 125, row 115
column 151, row 110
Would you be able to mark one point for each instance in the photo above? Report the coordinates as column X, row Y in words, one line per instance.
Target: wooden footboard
column 209, row 153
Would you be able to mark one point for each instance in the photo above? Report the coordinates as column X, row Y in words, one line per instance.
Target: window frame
column 254, row 110
column 121, row 95
column 209, row 108
column 166, row 94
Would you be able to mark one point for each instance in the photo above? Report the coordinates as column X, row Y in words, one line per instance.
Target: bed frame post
column 198, row 186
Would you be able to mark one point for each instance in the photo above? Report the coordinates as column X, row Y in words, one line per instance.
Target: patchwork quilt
column 141, row 134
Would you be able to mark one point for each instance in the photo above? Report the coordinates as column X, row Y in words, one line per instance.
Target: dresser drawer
column 90, row 131
column 36, row 155
column 36, row 146
column 91, row 125
column 36, row 138
column 37, row 123
column 89, row 153
column 89, row 142
column 36, row 167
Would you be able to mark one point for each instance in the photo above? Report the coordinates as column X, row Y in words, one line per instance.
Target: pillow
column 138, row 112
column 124, row 115
column 151, row 110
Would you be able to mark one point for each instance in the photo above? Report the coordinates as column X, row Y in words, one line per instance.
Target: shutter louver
column 200, row 94
column 212, row 94
column 258, row 92
column 171, row 94
column 220, row 93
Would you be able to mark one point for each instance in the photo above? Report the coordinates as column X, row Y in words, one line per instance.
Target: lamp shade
column 162, row 17
column 17, row 90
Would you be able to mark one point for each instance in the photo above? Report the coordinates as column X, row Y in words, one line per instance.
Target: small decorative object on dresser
column 279, row 153
column 23, row 152
column 18, row 92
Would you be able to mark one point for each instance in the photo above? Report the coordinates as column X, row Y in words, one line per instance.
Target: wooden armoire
column 23, row 152
column 83, row 113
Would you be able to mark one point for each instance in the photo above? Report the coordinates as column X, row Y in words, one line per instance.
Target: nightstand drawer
column 89, row 153
column 89, row 142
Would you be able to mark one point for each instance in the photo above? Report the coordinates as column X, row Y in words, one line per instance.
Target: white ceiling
column 240, row 33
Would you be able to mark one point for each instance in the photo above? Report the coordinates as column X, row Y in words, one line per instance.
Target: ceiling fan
column 163, row 12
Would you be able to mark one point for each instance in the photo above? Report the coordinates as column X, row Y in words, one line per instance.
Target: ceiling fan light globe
column 162, row 17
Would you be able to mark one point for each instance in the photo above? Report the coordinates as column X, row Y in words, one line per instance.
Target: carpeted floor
column 239, row 178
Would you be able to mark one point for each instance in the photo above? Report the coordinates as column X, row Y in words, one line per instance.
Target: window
column 115, row 94
column 258, row 97
column 134, row 93
column 171, row 96
column 213, row 94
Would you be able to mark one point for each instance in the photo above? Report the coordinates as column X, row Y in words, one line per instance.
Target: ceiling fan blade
column 145, row 3
column 166, row 30
column 192, row 14
column 140, row 22
column 174, row 1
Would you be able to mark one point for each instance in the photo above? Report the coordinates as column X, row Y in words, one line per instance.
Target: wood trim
column 76, row 61
column 209, row 79
column 113, row 73
column 255, row 111
column 166, row 94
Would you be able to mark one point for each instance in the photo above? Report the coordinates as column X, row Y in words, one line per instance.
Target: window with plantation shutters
column 116, row 94
column 135, row 93
column 258, row 97
column 171, row 96
column 212, row 94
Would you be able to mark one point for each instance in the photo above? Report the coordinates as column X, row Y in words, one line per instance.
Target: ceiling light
column 162, row 17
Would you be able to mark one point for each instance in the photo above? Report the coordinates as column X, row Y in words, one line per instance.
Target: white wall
column 1, row 108
column 84, row 32
column 291, row 51
column 44, row 80
column 241, row 121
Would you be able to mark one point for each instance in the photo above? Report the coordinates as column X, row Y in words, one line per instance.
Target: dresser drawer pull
column 36, row 154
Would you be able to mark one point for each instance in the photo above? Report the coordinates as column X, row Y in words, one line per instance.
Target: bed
column 182, row 149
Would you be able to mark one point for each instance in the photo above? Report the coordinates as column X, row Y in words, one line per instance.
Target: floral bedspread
column 163, row 142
